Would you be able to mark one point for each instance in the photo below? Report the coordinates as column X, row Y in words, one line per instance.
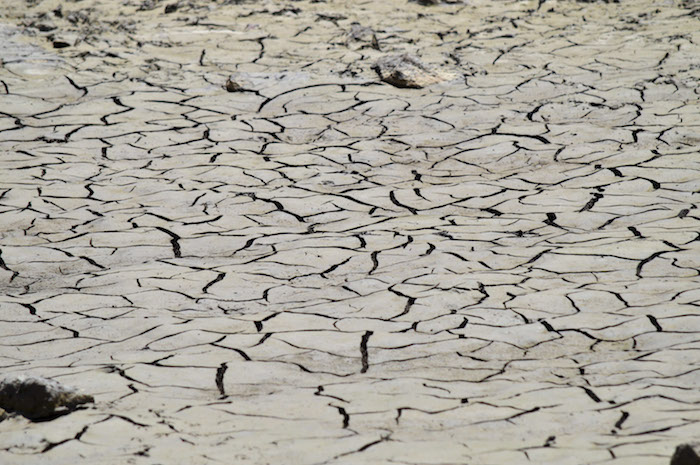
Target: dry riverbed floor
column 313, row 266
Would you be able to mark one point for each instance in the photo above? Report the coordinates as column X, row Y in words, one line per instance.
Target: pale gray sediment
column 308, row 265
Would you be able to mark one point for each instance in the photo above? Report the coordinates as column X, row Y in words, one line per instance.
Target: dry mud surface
column 321, row 268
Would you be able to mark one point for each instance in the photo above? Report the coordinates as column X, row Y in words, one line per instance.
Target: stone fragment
column 687, row 454
column 233, row 86
column 236, row 84
column 35, row 397
column 407, row 70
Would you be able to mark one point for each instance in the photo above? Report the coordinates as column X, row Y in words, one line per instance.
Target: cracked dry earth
column 320, row 268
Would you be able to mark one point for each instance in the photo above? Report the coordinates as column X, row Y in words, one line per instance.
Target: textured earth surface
column 321, row 268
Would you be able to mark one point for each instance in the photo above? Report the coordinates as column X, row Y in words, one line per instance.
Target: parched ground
column 321, row 268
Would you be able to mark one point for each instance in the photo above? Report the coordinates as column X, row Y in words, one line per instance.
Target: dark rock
column 687, row 454
column 60, row 44
column 234, row 84
column 407, row 71
column 39, row 398
column 171, row 8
